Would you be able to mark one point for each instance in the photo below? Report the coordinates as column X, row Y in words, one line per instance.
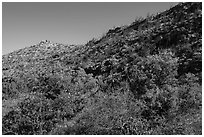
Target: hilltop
column 142, row 78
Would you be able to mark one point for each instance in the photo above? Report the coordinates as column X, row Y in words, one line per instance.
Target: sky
column 26, row 24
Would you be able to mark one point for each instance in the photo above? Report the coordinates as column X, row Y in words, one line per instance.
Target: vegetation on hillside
column 141, row 79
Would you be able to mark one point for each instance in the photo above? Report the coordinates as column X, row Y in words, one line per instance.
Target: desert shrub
column 152, row 80
column 152, row 72
column 79, row 89
column 9, row 88
column 182, row 124
column 48, row 86
column 99, row 116
column 26, row 118
column 189, row 93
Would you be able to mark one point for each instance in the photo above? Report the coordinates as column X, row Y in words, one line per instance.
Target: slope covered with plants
column 140, row 79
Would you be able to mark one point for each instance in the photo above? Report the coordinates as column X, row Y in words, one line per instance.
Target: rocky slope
column 144, row 78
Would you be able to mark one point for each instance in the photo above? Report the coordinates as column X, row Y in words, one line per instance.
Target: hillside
column 140, row 79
